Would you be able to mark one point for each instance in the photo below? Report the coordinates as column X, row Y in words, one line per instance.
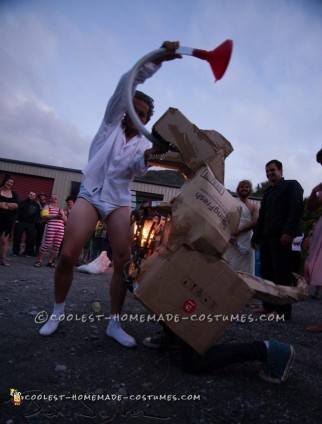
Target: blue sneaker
column 279, row 359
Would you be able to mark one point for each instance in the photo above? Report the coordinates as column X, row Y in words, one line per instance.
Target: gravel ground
column 79, row 359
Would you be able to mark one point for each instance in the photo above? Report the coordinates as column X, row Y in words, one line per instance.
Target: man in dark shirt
column 278, row 224
column 28, row 215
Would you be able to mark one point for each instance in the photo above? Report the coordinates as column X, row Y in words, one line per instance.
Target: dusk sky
column 61, row 60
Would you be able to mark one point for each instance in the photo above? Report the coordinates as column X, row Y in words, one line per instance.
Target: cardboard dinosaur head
column 187, row 147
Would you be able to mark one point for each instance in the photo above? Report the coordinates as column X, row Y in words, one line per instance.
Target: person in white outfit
column 240, row 254
column 117, row 154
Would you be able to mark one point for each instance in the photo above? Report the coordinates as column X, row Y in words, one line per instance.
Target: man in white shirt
column 117, row 154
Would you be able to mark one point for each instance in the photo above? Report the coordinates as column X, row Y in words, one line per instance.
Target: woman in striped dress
column 54, row 232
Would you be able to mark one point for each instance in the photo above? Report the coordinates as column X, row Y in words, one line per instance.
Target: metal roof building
column 156, row 185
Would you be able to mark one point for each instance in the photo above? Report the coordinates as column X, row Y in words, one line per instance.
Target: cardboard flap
column 270, row 292
column 217, row 166
column 219, row 142
column 204, row 215
column 196, row 146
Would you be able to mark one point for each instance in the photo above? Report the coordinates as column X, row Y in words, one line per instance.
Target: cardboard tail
column 273, row 293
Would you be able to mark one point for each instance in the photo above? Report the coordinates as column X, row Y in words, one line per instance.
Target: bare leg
column 40, row 258
column 52, row 256
column 80, row 226
column 4, row 241
column 120, row 234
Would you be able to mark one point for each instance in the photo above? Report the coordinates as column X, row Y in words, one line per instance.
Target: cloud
column 36, row 134
column 31, row 129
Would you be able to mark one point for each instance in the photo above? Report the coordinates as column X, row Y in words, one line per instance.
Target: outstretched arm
column 170, row 48
column 116, row 106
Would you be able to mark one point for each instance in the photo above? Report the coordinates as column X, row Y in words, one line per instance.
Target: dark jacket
column 281, row 210
column 28, row 211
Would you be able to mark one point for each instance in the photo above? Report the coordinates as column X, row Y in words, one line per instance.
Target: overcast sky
column 61, row 60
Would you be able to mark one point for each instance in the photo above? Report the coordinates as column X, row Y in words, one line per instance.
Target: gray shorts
column 103, row 208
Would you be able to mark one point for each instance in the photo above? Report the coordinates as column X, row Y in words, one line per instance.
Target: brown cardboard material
column 197, row 147
column 204, row 215
column 217, row 166
column 185, row 281
column 197, row 295
column 273, row 293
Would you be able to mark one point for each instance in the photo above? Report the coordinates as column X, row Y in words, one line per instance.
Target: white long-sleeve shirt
column 113, row 163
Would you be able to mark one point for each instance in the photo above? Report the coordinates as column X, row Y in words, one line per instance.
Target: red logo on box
column 189, row 306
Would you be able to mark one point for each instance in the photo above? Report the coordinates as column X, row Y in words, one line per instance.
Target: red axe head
column 218, row 58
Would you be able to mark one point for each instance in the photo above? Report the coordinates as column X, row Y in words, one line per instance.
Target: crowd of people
column 36, row 227
column 275, row 230
column 117, row 154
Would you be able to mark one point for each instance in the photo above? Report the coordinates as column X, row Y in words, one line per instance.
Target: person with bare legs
column 117, row 154
column 54, row 232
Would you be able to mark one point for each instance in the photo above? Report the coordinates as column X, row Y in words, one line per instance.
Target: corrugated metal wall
column 62, row 178
column 50, row 179
column 23, row 184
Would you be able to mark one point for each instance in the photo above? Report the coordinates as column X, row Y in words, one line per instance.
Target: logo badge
column 189, row 306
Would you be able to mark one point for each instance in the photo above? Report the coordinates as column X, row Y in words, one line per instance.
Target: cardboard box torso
column 204, row 215
column 197, row 296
